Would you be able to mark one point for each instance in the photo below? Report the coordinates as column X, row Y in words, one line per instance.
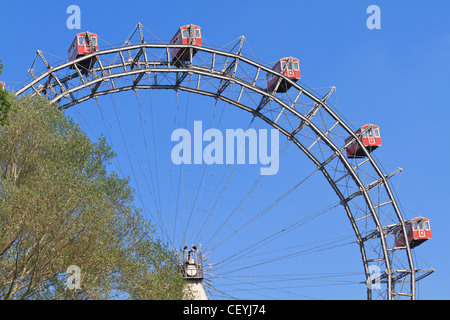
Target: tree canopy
column 5, row 103
column 60, row 206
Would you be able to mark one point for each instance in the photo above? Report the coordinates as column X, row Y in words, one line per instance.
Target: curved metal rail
column 305, row 119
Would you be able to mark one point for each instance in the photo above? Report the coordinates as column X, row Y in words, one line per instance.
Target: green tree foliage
column 5, row 103
column 60, row 206
column 5, row 106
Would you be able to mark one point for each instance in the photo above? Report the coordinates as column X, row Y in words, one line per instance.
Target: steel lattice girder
column 58, row 86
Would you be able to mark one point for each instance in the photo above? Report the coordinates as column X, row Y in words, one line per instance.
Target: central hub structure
column 191, row 269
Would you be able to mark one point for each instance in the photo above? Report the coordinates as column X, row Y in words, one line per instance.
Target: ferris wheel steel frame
column 136, row 67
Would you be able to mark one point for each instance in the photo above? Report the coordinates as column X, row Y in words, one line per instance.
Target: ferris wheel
column 240, row 233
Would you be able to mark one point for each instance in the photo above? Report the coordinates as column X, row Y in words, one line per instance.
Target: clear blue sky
column 396, row 77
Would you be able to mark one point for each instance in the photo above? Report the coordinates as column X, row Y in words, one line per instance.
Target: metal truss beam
column 172, row 77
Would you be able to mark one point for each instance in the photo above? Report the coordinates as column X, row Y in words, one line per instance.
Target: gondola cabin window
column 289, row 67
column 189, row 34
column 370, row 137
column 418, row 230
column 83, row 44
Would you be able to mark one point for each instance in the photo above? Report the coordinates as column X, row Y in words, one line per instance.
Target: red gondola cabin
column 418, row 230
column 189, row 34
column 370, row 137
column 2, row 86
column 290, row 67
column 83, row 44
